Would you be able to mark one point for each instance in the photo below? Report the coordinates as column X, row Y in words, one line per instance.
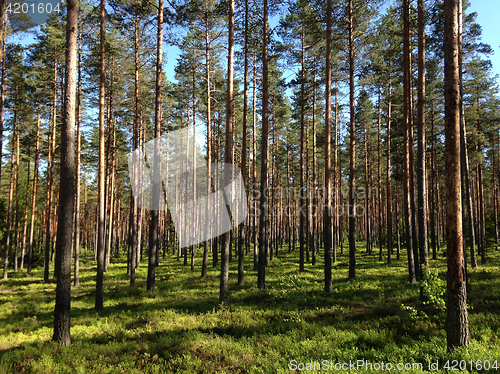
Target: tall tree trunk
column 313, row 200
column 367, row 213
column 302, row 171
column 209, row 140
column 352, row 151
column 379, row 174
column 467, row 213
column 421, row 167
column 33, row 196
column 457, row 317
column 254, row 163
column 3, row 37
column 327, row 213
column 25, row 222
column 153, row 226
column 432, row 186
column 264, row 219
column 243, row 226
column 77, row 176
column 101, row 226
column 16, row 224
column 224, row 275
column 133, row 225
column 67, row 184
column 337, row 227
column 50, row 172
column 11, row 195
column 407, row 166
column 388, row 172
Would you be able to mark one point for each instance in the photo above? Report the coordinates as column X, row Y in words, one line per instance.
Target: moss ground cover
column 292, row 325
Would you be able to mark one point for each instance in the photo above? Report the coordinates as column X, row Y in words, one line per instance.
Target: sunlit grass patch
column 180, row 327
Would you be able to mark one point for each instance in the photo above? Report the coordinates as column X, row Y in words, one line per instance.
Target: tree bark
column 50, row 172
column 421, row 168
column 3, row 37
column 64, row 241
column 153, row 226
column 327, row 213
column 243, row 227
column 457, row 317
column 78, row 170
column 11, row 195
column 264, row 219
column 407, row 143
column 352, row 151
column 388, row 171
column 101, row 226
column 224, row 275
column 33, row 196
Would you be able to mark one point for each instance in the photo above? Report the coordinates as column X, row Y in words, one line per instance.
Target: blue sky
column 488, row 16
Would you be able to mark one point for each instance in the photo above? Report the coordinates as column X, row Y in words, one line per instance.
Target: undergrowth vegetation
column 180, row 328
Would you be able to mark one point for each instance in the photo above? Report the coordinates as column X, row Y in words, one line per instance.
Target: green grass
column 179, row 328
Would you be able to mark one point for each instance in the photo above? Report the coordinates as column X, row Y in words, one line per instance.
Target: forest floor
column 292, row 325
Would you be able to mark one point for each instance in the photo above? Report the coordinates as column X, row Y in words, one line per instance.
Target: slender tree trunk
column 367, row 213
column 379, row 174
column 313, row 200
column 3, row 37
column 11, row 195
column 407, row 169
column 352, row 151
column 50, row 172
column 243, row 226
column 264, row 219
column 224, row 275
column 422, row 145
column 388, row 171
column 25, row 222
column 153, row 226
column 33, row 196
column 209, row 140
column 67, row 184
column 457, row 317
column 337, row 227
column 16, row 223
column 254, row 164
column 302, row 149
column 467, row 213
column 133, row 225
column 78, row 169
column 101, row 226
column 327, row 213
